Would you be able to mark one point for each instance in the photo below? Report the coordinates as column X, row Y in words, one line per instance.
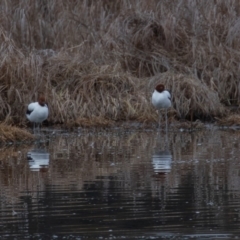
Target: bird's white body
column 37, row 113
column 161, row 100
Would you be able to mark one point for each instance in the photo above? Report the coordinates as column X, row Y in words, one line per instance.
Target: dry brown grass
column 232, row 120
column 99, row 60
column 10, row 133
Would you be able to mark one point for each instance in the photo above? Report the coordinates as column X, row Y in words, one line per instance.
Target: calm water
column 122, row 185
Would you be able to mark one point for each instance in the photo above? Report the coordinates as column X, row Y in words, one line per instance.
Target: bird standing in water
column 161, row 99
column 37, row 112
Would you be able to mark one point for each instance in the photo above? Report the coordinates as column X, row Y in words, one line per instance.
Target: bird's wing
column 31, row 107
column 168, row 95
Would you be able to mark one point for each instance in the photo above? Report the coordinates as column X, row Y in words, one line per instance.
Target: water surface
column 122, row 185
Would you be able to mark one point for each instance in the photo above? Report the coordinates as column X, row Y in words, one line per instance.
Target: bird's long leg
column 34, row 127
column 39, row 128
column 166, row 128
column 160, row 118
column 166, row 120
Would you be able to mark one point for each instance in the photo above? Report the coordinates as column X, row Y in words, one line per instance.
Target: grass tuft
column 190, row 96
column 10, row 133
column 232, row 120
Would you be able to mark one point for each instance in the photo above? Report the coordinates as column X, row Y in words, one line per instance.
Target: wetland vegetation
column 98, row 61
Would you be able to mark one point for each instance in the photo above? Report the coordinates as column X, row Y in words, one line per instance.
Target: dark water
column 122, row 185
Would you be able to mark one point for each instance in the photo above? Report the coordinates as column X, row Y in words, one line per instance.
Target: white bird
column 37, row 112
column 161, row 99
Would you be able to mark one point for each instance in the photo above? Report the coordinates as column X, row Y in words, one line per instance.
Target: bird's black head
column 41, row 99
column 160, row 88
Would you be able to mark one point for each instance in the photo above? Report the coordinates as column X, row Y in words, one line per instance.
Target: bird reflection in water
column 161, row 161
column 162, row 166
column 162, row 157
column 38, row 159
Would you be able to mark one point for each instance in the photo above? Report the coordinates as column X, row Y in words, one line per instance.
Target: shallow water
column 122, row 185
